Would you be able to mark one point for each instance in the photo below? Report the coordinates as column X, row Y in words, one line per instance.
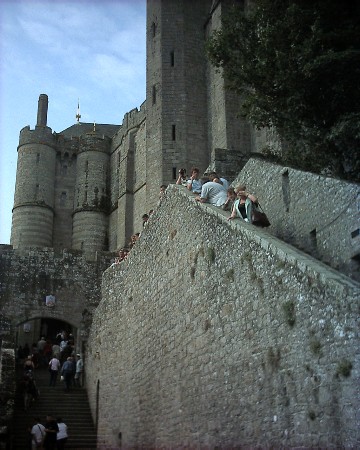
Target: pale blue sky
column 89, row 50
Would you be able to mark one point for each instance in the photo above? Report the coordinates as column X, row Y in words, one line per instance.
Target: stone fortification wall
column 28, row 275
column 317, row 214
column 128, row 179
column 217, row 334
column 7, row 382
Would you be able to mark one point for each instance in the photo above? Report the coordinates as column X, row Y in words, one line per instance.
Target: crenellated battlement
column 132, row 119
column 39, row 135
column 94, row 142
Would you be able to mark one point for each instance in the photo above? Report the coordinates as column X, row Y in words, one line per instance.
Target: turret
column 33, row 212
column 90, row 218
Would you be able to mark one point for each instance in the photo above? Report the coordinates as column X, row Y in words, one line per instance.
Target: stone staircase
column 72, row 407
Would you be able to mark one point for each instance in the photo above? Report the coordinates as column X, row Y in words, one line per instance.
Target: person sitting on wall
column 223, row 181
column 145, row 218
column 134, row 238
column 162, row 191
column 122, row 254
column 244, row 204
column 182, row 180
column 194, row 184
column 231, row 197
column 212, row 192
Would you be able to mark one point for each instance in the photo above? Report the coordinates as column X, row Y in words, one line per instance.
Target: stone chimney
column 42, row 110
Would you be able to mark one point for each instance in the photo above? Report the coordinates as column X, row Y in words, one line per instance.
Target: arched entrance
column 29, row 333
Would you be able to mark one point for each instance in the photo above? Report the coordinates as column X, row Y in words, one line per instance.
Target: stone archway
column 29, row 332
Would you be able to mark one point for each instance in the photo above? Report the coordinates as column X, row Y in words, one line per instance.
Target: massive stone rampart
column 217, row 334
column 315, row 213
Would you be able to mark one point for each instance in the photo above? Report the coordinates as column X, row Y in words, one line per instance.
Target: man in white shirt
column 37, row 433
column 223, row 181
column 213, row 192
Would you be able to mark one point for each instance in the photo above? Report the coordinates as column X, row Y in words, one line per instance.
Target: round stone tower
column 90, row 218
column 33, row 212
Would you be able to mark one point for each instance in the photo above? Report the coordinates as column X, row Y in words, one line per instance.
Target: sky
column 87, row 51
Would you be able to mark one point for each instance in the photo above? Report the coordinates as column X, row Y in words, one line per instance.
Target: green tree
column 297, row 65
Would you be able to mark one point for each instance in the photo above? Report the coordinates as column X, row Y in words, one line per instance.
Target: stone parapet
column 41, row 135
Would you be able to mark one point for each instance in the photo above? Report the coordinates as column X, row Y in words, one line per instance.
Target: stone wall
column 317, row 214
column 28, row 275
column 7, row 382
column 128, row 180
column 217, row 334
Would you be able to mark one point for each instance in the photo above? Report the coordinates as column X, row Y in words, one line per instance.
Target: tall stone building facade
column 88, row 186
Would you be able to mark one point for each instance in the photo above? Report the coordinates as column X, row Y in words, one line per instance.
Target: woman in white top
column 62, row 434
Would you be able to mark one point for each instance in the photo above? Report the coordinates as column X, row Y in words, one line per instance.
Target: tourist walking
column 67, row 372
column 37, row 434
column 79, row 370
column 62, row 434
column 51, row 431
column 54, row 367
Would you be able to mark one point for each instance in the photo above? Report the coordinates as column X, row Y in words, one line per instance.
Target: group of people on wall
column 213, row 189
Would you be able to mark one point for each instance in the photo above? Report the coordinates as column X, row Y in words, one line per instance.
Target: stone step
column 72, row 406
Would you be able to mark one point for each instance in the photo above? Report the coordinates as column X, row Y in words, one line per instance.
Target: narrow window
column 173, row 132
column 286, row 190
column 313, row 241
column 37, row 158
column 174, row 173
column 153, row 29
column 63, row 199
column 37, row 191
column 172, row 58
column 154, row 94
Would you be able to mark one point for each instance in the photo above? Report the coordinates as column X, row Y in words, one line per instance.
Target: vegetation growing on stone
column 344, row 368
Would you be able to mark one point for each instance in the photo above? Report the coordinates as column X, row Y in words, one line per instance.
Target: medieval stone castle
column 89, row 185
column 205, row 335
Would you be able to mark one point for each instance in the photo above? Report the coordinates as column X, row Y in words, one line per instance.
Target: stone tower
column 176, row 119
column 33, row 212
column 90, row 219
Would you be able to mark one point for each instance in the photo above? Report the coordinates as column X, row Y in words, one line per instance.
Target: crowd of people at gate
column 59, row 357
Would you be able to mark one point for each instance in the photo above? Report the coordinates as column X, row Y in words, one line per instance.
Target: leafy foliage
column 297, row 64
